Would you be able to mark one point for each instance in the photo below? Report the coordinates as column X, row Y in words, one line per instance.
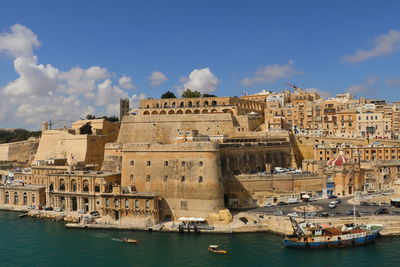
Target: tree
column 90, row 117
column 86, row 129
column 190, row 94
column 208, row 95
column 168, row 94
column 111, row 118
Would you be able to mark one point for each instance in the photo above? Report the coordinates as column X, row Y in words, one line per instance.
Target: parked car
column 58, row 209
column 324, row 214
column 281, row 203
column 332, row 205
column 383, row 204
column 293, row 200
column 373, row 204
column 337, row 201
column 364, row 203
column 95, row 213
column 82, row 211
column 278, row 212
column 32, row 207
column 382, row 211
column 332, row 197
column 294, row 214
column 351, row 213
column 48, row 208
column 268, row 205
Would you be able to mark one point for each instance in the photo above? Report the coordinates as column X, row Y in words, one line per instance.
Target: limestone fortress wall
column 187, row 175
column 23, row 151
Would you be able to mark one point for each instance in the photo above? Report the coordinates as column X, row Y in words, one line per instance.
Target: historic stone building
column 22, row 195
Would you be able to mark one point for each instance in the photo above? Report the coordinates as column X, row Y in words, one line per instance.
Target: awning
column 192, row 219
column 395, row 199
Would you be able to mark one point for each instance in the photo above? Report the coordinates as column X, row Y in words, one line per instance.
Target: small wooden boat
column 216, row 249
column 127, row 240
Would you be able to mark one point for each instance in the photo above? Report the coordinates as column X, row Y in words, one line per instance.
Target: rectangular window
column 184, row 205
column 107, row 203
column 148, row 163
column 126, row 203
column 166, row 163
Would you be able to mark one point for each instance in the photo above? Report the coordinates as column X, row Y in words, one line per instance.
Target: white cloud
column 108, row 94
column 356, row 89
column 393, row 82
column 19, row 42
column 125, row 82
column 135, row 99
column 364, row 87
column 156, row 78
column 201, row 80
column 43, row 92
column 383, row 45
column 271, row 73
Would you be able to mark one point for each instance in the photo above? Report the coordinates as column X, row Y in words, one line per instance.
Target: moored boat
column 216, row 249
column 314, row 235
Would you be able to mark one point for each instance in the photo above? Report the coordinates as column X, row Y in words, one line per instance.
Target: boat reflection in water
column 315, row 235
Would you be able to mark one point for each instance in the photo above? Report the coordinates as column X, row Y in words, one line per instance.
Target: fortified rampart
column 163, row 129
column 22, row 151
column 186, row 175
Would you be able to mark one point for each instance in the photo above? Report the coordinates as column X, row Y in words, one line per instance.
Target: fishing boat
column 315, row 235
column 216, row 249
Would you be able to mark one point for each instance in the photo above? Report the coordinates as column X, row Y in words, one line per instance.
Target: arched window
column 214, row 103
column 97, row 188
column 62, row 185
column 206, row 103
column 51, row 187
column 73, row 186
column 197, row 103
column 190, row 104
column 16, row 199
column 181, row 104
column 85, row 186
column 200, row 179
column 7, row 198
column 25, row 199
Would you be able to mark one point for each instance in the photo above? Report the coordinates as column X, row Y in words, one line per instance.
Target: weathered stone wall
column 187, row 176
column 163, row 128
column 23, row 151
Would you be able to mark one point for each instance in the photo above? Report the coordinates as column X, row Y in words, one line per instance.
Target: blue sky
column 223, row 47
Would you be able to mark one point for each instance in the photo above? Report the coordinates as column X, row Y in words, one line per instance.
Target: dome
column 338, row 161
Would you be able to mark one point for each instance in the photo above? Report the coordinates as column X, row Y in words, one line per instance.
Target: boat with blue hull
column 314, row 235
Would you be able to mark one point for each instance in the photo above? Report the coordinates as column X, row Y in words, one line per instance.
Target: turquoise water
column 33, row 242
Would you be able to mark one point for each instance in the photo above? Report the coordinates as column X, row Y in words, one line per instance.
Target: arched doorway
column 116, row 215
column 62, row 202
column 86, row 204
column 16, row 199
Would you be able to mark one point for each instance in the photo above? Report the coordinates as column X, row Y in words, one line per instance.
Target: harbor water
column 34, row 242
